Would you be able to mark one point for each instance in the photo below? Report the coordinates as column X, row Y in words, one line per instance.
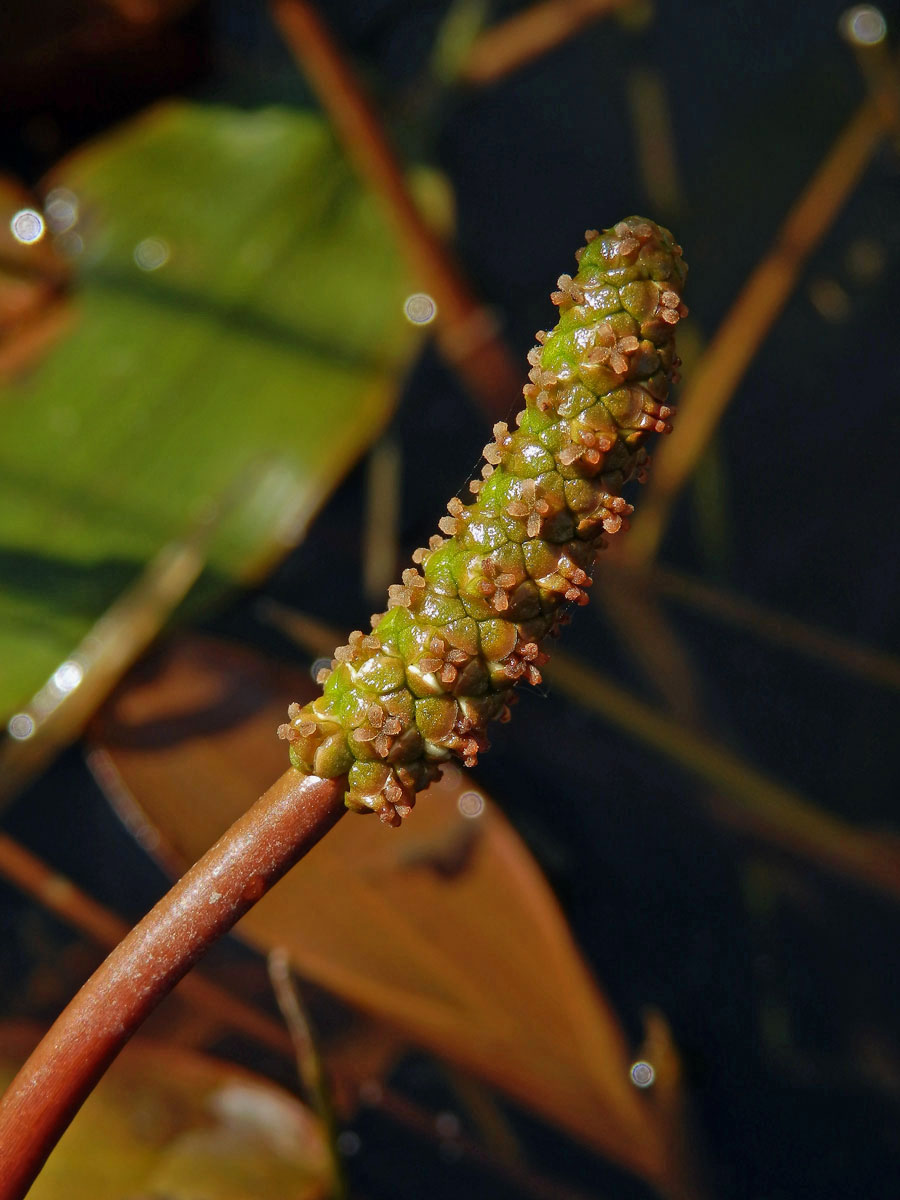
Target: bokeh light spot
column 642, row 1074
column 67, row 677
column 420, row 309
column 21, row 726
column 61, row 209
column 27, row 226
column 864, row 25
column 151, row 254
column 471, row 804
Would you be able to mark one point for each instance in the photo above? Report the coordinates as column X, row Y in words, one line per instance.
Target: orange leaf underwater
column 444, row 930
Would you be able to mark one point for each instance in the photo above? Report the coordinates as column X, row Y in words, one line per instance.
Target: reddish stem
column 208, row 900
column 465, row 330
column 530, row 33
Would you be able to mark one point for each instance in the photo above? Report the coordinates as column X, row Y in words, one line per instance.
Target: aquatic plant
column 470, row 619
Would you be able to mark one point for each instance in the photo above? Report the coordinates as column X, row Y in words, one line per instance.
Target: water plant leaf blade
column 164, row 1121
column 445, row 931
column 237, row 300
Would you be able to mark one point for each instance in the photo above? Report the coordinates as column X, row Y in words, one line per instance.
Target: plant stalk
column 286, row 822
column 465, row 331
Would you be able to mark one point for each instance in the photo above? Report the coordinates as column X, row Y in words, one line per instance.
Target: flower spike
column 443, row 660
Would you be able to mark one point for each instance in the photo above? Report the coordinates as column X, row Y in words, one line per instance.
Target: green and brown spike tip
column 459, row 635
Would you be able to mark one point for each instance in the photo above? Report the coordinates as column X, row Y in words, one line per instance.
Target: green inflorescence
column 459, row 634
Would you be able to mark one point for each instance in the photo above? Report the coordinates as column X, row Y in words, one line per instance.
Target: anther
column 399, row 596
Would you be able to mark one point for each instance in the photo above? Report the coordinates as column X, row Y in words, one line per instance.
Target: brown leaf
column 166, row 1122
column 445, row 930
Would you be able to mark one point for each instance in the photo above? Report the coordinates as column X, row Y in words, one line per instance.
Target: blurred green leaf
column 238, row 301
